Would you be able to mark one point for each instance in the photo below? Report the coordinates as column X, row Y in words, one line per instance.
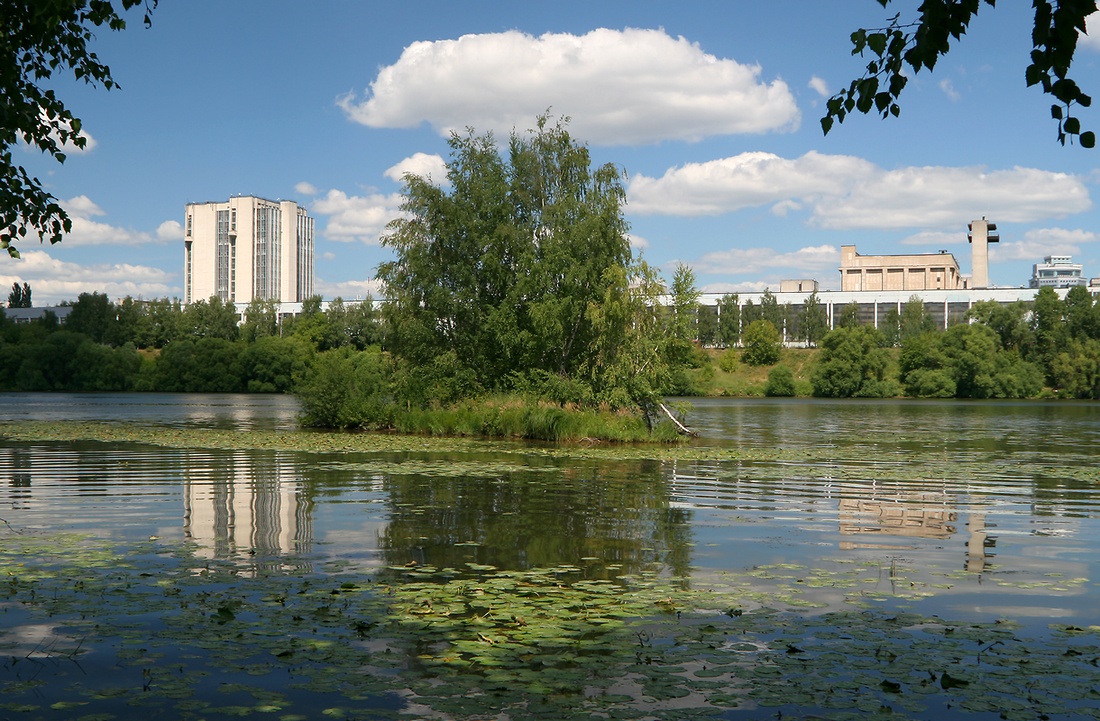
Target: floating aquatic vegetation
column 187, row 637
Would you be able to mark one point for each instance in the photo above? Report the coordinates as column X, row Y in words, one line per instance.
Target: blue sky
column 711, row 109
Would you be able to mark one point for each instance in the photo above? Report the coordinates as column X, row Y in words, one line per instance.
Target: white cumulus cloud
column 844, row 192
column 633, row 86
column 349, row 290
column 306, row 189
column 809, row 261
column 1041, row 242
column 356, row 218
column 743, row 181
column 937, row 197
column 170, row 230
column 53, row 281
column 86, row 231
column 819, row 86
column 936, row 238
column 429, row 166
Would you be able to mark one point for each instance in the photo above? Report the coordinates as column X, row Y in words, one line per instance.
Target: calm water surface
column 967, row 510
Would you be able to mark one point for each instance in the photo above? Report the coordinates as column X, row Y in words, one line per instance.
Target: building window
column 222, row 264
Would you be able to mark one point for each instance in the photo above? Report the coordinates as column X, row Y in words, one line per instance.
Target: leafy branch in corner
column 922, row 42
column 39, row 38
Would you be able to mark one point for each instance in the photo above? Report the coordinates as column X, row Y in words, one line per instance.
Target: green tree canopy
column 762, row 343
column 20, row 296
column 521, row 267
column 814, row 322
column 852, row 363
column 729, row 319
column 39, row 38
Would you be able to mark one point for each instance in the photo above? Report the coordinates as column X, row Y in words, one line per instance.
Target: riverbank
column 724, row 374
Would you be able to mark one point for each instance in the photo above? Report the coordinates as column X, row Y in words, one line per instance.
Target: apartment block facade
column 248, row 248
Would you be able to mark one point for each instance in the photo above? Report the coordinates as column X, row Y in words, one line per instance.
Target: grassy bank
column 510, row 417
column 721, row 375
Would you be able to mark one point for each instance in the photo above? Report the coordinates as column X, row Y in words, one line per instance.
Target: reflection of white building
column 244, row 506
column 1057, row 271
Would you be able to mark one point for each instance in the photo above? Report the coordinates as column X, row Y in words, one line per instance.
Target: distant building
column 27, row 315
column 798, row 286
column 1057, row 271
column 916, row 272
column 248, row 248
column 920, row 271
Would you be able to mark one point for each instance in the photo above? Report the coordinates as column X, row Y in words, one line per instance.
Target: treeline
column 161, row 345
column 1048, row 347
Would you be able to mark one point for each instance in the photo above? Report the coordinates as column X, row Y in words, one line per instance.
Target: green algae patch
column 349, row 442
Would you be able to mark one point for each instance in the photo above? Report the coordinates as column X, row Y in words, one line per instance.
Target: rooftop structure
column 1057, row 271
column 916, row 272
column 981, row 234
column 248, row 248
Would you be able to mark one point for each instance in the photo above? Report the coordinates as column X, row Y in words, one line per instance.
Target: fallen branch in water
column 683, row 429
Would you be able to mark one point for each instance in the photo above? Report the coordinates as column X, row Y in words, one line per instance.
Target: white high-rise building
column 247, row 248
column 1057, row 271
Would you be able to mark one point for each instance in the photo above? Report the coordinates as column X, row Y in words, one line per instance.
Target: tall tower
column 248, row 248
column 981, row 234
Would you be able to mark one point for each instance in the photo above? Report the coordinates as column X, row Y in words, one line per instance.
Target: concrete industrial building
column 248, row 248
column 920, row 271
column 915, row 272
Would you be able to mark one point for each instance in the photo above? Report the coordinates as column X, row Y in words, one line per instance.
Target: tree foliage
column 38, row 39
column 814, row 321
column 20, row 296
column 780, row 382
column 519, row 271
column 853, row 362
column 761, row 343
column 729, row 320
column 902, row 47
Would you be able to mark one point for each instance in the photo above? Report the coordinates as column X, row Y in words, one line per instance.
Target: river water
column 971, row 511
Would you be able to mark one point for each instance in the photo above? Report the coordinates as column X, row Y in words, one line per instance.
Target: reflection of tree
column 617, row 513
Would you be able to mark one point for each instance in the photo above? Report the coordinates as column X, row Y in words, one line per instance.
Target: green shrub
column 761, row 343
column 348, row 389
column 929, row 383
column 780, row 382
column 728, row 360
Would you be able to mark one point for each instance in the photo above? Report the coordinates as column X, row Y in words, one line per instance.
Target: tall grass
column 511, row 417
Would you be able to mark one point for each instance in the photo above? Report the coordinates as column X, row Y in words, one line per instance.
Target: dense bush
column 852, row 363
column 780, row 382
column 761, row 343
